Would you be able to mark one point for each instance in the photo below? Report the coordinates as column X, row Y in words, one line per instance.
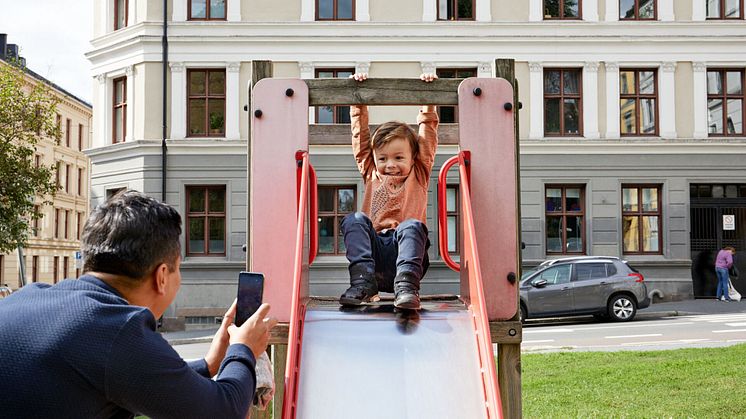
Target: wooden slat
column 339, row 134
column 509, row 376
column 377, row 92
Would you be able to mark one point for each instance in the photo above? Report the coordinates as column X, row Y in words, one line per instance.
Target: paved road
column 667, row 332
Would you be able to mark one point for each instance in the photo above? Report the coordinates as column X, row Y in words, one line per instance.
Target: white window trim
column 590, row 100
column 699, row 85
column 612, row 10
column 612, row 101
column 699, row 11
column 536, row 99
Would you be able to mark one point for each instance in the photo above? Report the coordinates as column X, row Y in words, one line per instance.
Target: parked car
column 605, row 287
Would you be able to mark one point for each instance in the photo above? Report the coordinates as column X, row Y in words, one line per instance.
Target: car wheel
column 622, row 308
column 524, row 314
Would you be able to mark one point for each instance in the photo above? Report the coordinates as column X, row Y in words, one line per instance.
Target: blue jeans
column 385, row 255
column 722, row 289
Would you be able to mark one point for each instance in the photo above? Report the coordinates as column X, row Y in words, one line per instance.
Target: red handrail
column 443, row 216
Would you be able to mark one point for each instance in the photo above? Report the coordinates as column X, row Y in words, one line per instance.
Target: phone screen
column 250, row 289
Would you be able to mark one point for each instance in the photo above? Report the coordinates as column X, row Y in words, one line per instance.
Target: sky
column 53, row 35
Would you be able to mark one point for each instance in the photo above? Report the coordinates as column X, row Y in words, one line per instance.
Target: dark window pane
column 630, row 232
column 571, row 116
column 647, row 9
column 647, row 82
column 571, row 8
column 629, row 199
column 344, row 9
column 197, row 83
column 217, row 83
column 196, row 116
column 731, row 191
column 628, row 116
column 447, row 114
column 647, row 117
column 217, row 235
column 343, row 114
column 572, row 198
column 571, row 79
column 325, row 74
column 325, row 115
column 705, row 191
column 627, row 82
column 574, row 234
column 197, row 201
column 199, row 9
column 626, row 9
column 553, row 199
column 346, row 200
column 326, row 199
column 713, row 9
column 554, row 234
column 718, row 191
column 714, row 83
column 217, row 116
column 551, row 8
column 216, row 199
column 715, row 116
column 551, row 82
column 552, row 116
column 735, row 116
column 734, row 82
column 326, row 234
column 196, row 235
column 466, row 73
column 732, row 8
column 464, row 9
column 217, row 9
column 326, row 9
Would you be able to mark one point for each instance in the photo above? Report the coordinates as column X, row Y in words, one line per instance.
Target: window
column 638, row 107
column 80, row 182
column 588, row 271
column 68, row 128
column 35, row 230
column 717, row 190
column 557, row 275
column 120, row 14
column 65, row 266
column 57, row 180
column 207, row 9
column 79, row 226
column 562, row 9
column 333, row 114
column 67, row 178
column 77, row 273
column 67, row 223
column 563, row 102
column 641, row 219
column 637, row 10
column 56, row 223
column 206, row 115
column 565, row 219
column 80, row 137
column 119, row 111
column 449, row 114
column 725, row 97
column 335, row 9
column 35, row 269
column 334, row 203
column 56, row 269
column 455, row 9
column 452, row 217
column 59, row 126
column 724, row 9
column 111, row 192
column 205, row 220
column 37, row 160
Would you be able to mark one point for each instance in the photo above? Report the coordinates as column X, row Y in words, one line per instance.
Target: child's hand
column 359, row 76
column 428, row 77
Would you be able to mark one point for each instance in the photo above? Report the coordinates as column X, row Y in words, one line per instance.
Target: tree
column 28, row 110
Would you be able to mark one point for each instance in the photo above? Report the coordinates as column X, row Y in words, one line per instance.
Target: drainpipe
column 164, row 147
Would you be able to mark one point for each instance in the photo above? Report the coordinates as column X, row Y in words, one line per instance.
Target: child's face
column 394, row 158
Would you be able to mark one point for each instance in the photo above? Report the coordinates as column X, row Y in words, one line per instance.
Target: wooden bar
column 339, row 134
column 377, row 92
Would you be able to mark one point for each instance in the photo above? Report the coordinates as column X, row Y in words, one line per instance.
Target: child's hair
column 394, row 129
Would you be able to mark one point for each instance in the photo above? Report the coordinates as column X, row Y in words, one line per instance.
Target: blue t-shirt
column 78, row 349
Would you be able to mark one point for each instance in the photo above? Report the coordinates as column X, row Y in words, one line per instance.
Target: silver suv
column 606, row 287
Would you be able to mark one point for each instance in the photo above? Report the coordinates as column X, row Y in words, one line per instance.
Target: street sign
column 729, row 222
column 78, row 260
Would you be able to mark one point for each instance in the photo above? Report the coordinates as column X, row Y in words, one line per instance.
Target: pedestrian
column 723, row 263
column 88, row 348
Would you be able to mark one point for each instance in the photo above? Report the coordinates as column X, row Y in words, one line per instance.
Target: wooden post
column 509, row 354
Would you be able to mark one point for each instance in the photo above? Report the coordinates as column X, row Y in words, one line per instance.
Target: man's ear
column 160, row 277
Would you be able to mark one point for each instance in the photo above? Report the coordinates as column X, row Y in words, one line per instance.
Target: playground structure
column 336, row 363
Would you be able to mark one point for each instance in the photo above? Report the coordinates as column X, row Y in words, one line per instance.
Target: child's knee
column 412, row 225
column 355, row 218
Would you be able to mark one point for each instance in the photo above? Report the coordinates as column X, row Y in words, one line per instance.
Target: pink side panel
column 486, row 129
column 281, row 130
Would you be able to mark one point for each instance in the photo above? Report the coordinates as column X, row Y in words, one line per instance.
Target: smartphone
column 250, row 290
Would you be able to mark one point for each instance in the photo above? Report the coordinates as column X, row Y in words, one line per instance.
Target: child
column 387, row 243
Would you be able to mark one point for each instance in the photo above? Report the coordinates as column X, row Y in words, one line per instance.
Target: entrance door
column 709, row 203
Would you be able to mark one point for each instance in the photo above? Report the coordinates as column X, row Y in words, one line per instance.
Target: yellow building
column 55, row 238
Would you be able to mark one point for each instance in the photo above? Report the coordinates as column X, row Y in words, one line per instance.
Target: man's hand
column 219, row 344
column 254, row 333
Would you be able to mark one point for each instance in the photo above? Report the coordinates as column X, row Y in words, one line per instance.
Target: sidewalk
column 675, row 308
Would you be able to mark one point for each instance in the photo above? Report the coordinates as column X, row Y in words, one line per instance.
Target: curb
column 187, row 341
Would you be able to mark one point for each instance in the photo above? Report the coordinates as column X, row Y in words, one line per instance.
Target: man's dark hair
column 130, row 235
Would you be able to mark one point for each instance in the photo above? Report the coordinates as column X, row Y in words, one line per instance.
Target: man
column 88, row 347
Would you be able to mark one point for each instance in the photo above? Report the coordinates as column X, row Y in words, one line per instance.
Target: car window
column 556, row 275
column 587, row 271
column 610, row 269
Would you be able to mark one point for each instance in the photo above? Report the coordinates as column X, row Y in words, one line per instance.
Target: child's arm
column 427, row 120
column 361, row 133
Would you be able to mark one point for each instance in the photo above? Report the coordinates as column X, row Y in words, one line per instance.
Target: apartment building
column 50, row 255
column 631, row 130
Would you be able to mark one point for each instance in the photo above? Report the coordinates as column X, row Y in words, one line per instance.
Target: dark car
column 606, row 287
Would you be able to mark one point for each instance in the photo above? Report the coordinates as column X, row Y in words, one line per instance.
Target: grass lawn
column 684, row 383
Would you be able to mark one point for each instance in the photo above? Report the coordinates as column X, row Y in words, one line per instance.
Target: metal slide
column 375, row 362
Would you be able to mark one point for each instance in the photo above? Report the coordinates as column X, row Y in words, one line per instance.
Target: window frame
column 56, row 269
column 65, row 266
column 722, row 11
column 206, row 215
column 67, row 178
column 564, row 214
column 119, row 81
column 335, row 108
column 456, row 215
column 637, row 96
column 335, row 8
column 79, row 223
column 67, row 224
column 562, row 11
column 561, row 96
column 336, row 215
column 35, row 268
column 116, row 14
column 724, row 96
column 455, row 7
column 206, row 97
column 443, row 73
column 80, row 181
column 56, row 223
column 80, row 137
column 68, row 128
column 637, row 12
column 207, row 12
column 641, row 213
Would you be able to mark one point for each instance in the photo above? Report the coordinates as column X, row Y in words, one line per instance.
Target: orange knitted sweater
column 389, row 200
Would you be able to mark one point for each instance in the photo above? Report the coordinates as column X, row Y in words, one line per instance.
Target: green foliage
column 695, row 383
column 27, row 113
